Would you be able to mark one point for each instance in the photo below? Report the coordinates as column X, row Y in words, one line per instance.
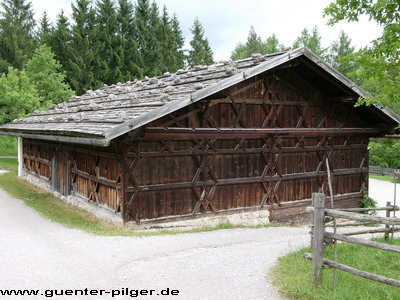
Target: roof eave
column 102, row 142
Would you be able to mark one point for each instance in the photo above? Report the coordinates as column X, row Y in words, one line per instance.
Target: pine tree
column 311, row 41
column 168, row 47
column 80, row 71
column 147, row 21
column 130, row 58
column 107, row 48
column 59, row 41
column 179, row 42
column 45, row 30
column 340, row 49
column 201, row 53
column 16, row 34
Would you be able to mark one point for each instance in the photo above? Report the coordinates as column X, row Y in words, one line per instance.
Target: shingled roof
column 111, row 111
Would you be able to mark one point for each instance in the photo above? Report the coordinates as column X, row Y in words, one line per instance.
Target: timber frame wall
column 261, row 144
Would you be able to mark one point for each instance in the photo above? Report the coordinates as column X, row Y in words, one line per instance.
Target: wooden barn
column 248, row 135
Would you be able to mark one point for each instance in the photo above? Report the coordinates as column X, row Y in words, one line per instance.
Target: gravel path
column 224, row 264
column 383, row 191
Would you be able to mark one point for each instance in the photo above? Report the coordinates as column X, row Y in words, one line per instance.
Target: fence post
column 318, row 236
column 387, row 226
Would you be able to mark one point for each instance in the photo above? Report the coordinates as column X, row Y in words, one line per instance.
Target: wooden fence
column 377, row 170
column 320, row 237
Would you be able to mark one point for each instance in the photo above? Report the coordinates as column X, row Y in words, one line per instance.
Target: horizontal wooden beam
column 228, row 133
column 263, row 101
column 359, row 217
column 362, row 242
column 243, row 180
column 247, row 151
column 101, row 180
column 357, row 272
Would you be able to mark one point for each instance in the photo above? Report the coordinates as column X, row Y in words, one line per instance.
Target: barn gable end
column 252, row 135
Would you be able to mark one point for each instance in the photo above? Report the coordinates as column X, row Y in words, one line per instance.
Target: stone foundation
column 76, row 200
column 250, row 218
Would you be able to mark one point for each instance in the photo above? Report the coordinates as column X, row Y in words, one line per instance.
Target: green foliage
column 59, row 39
column 200, row 53
column 18, row 96
column 147, row 24
column 179, row 42
column 293, row 275
column 367, row 201
column 379, row 65
column 45, row 30
column 254, row 44
column 310, row 40
column 385, row 153
column 340, row 52
column 108, row 50
column 46, row 75
column 8, row 145
column 16, row 34
column 80, row 52
column 131, row 60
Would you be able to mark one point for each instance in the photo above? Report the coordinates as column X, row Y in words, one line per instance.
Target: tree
column 310, row 40
column 340, row 51
column 147, row 20
column 60, row 39
column 18, row 96
column 16, row 34
column 379, row 64
column 108, row 50
column 130, row 57
column 171, row 42
column 272, row 45
column 201, row 53
column 45, row 74
column 179, row 42
column 81, row 56
column 45, row 30
column 255, row 44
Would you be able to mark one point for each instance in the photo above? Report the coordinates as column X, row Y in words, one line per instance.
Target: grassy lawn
column 384, row 178
column 58, row 211
column 293, row 274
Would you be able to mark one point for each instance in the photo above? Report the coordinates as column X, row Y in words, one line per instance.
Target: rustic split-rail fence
column 321, row 238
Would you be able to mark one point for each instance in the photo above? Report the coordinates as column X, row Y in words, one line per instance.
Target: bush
column 8, row 146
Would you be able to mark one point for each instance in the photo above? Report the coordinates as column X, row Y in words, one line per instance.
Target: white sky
column 227, row 22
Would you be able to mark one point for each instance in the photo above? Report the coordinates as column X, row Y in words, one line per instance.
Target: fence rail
column 377, row 170
column 320, row 216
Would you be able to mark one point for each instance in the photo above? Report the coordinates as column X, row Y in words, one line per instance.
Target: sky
column 227, row 22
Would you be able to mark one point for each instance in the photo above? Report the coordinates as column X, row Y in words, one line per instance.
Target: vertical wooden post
column 387, row 216
column 318, row 236
column 20, row 156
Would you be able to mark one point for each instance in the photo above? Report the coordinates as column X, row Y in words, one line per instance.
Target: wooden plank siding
column 177, row 168
column 93, row 173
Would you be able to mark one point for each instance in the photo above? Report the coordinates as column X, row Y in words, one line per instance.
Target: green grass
column 293, row 274
column 8, row 146
column 384, row 178
column 58, row 211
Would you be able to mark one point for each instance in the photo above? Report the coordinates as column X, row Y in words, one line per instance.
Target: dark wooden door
column 61, row 173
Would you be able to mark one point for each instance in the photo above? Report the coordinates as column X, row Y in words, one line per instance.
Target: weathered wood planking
column 232, row 153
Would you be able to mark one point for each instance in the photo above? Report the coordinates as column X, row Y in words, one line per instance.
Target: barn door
column 61, row 173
